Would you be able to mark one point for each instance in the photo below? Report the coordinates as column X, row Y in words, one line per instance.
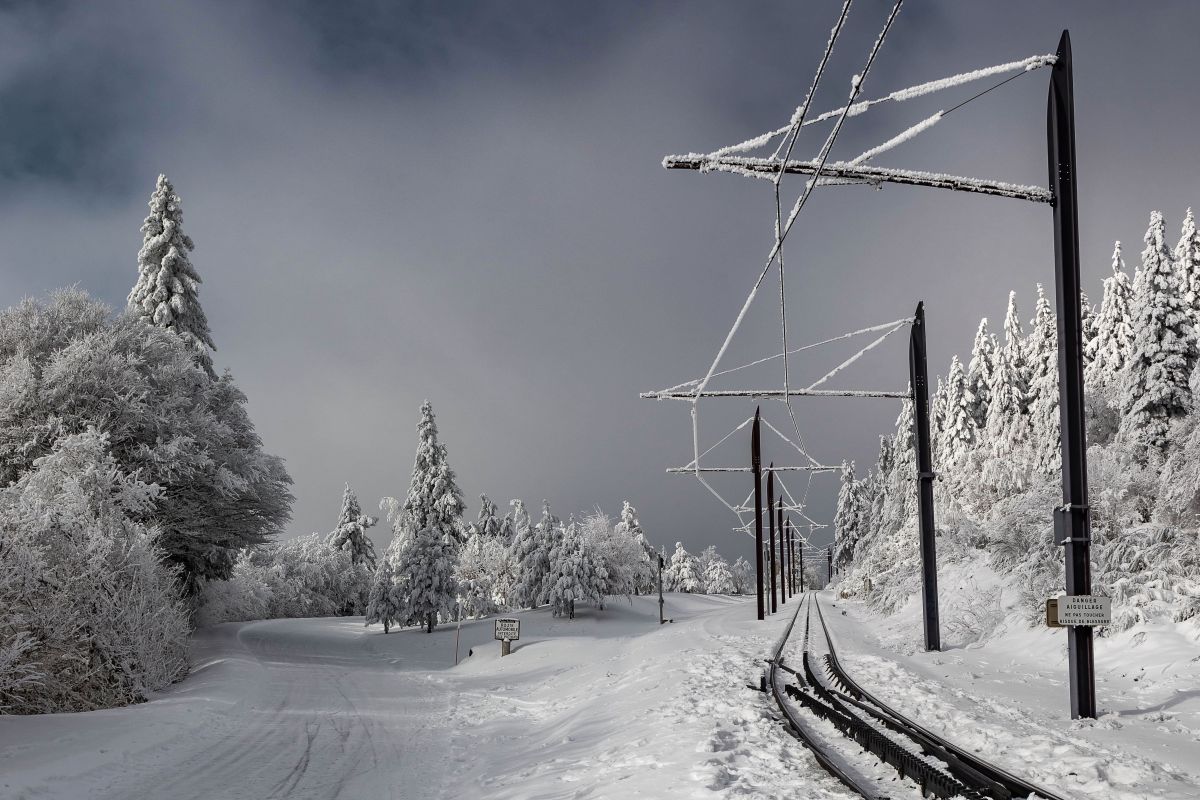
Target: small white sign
column 508, row 629
column 1084, row 610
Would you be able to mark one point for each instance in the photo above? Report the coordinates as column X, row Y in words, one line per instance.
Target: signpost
column 661, row 619
column 1077, row 610
column 507, row 631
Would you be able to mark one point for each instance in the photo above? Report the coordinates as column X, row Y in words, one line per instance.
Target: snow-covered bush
column 683, row 572
column 303, row 577
column 68, row 365
column 93, row 617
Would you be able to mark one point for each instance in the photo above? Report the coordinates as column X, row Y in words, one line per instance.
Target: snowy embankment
column 999, row 687
column 607, row 705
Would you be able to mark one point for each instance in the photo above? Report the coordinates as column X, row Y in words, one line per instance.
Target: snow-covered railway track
column 938, row 767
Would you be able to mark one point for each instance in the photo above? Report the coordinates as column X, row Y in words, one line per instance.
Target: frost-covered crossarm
column 768, row 168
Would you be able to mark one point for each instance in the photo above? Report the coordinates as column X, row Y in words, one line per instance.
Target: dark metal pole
column 802, row 563
column 756, row 465
column 919, row 380
column 1072, row 521
column 661, row 618
column 791, row 557
column 782, row 555
column 771, row 522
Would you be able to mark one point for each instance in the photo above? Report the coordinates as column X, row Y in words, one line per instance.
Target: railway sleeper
column 934, row 782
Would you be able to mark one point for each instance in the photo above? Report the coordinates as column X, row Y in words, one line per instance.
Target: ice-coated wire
column 856, row 88
column 853, row 358
column 724, row 439
column 898, row 139
column 788, row 441
column 779, row 237
column 850, row 335
column 899, row 96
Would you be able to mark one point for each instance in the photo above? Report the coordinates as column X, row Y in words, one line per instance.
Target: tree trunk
column 385, row 625
column 429, row 624
column 572, row 609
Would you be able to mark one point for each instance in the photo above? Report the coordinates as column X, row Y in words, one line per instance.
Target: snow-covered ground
column 609, row 705
column 1006, row 696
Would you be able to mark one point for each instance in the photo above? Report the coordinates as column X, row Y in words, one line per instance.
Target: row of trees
column 132, row 476
column 995, row 424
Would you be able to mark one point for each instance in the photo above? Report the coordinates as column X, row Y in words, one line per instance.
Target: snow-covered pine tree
column 427, row 529
column 384, row 603
column 846, row 518
column 683, row 573
column 350, row 533
column 646, row 573
column 979, row 375
column 1087, row 326
column 489, row 525
column 743, row 576
column 434, row 500
column 167, row 290
column 1042, row 353
column 574, row 573
column 958, row 428
column 1187, row 263
column 899, row 500
column 937, row 415
column 1108, row 351
column 1155, row 389
column 718, row 578
column 529, row 555
column 1008, row 418
column 704, row 559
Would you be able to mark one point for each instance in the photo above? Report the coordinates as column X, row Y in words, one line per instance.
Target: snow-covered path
column 278, row 708
column 609, row 705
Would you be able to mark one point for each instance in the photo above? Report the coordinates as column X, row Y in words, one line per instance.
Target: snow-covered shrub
column 622, row 556
column 93, row 617
column 68, row 365
column 303, row 577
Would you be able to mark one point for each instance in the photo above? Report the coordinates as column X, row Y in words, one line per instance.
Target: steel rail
column 797, row 729
column 996, row 782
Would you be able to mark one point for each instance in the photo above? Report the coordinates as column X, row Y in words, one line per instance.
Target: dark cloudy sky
column 463, row 202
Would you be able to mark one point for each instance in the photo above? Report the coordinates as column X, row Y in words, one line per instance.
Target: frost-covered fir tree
column 1087, row 326
column 1155, row 389
column 683, row 573
column 434, row 500
column 1108, row 350
column 743, row 576
column 1008, row 417
column 958, row 426
column 980, row 373
column 937, row 413
column 489, row 525
column 384, row 603
column 1187, row 263
column 574, row 574
column 846, row 518
column 426, row 530
column 1042, row 350
column 350, row 533
column 646, row 572
column 529, row 555
column 718, row 577
column 167, row 290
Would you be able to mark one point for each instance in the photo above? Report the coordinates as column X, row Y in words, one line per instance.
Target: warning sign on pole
column 1084, row 610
